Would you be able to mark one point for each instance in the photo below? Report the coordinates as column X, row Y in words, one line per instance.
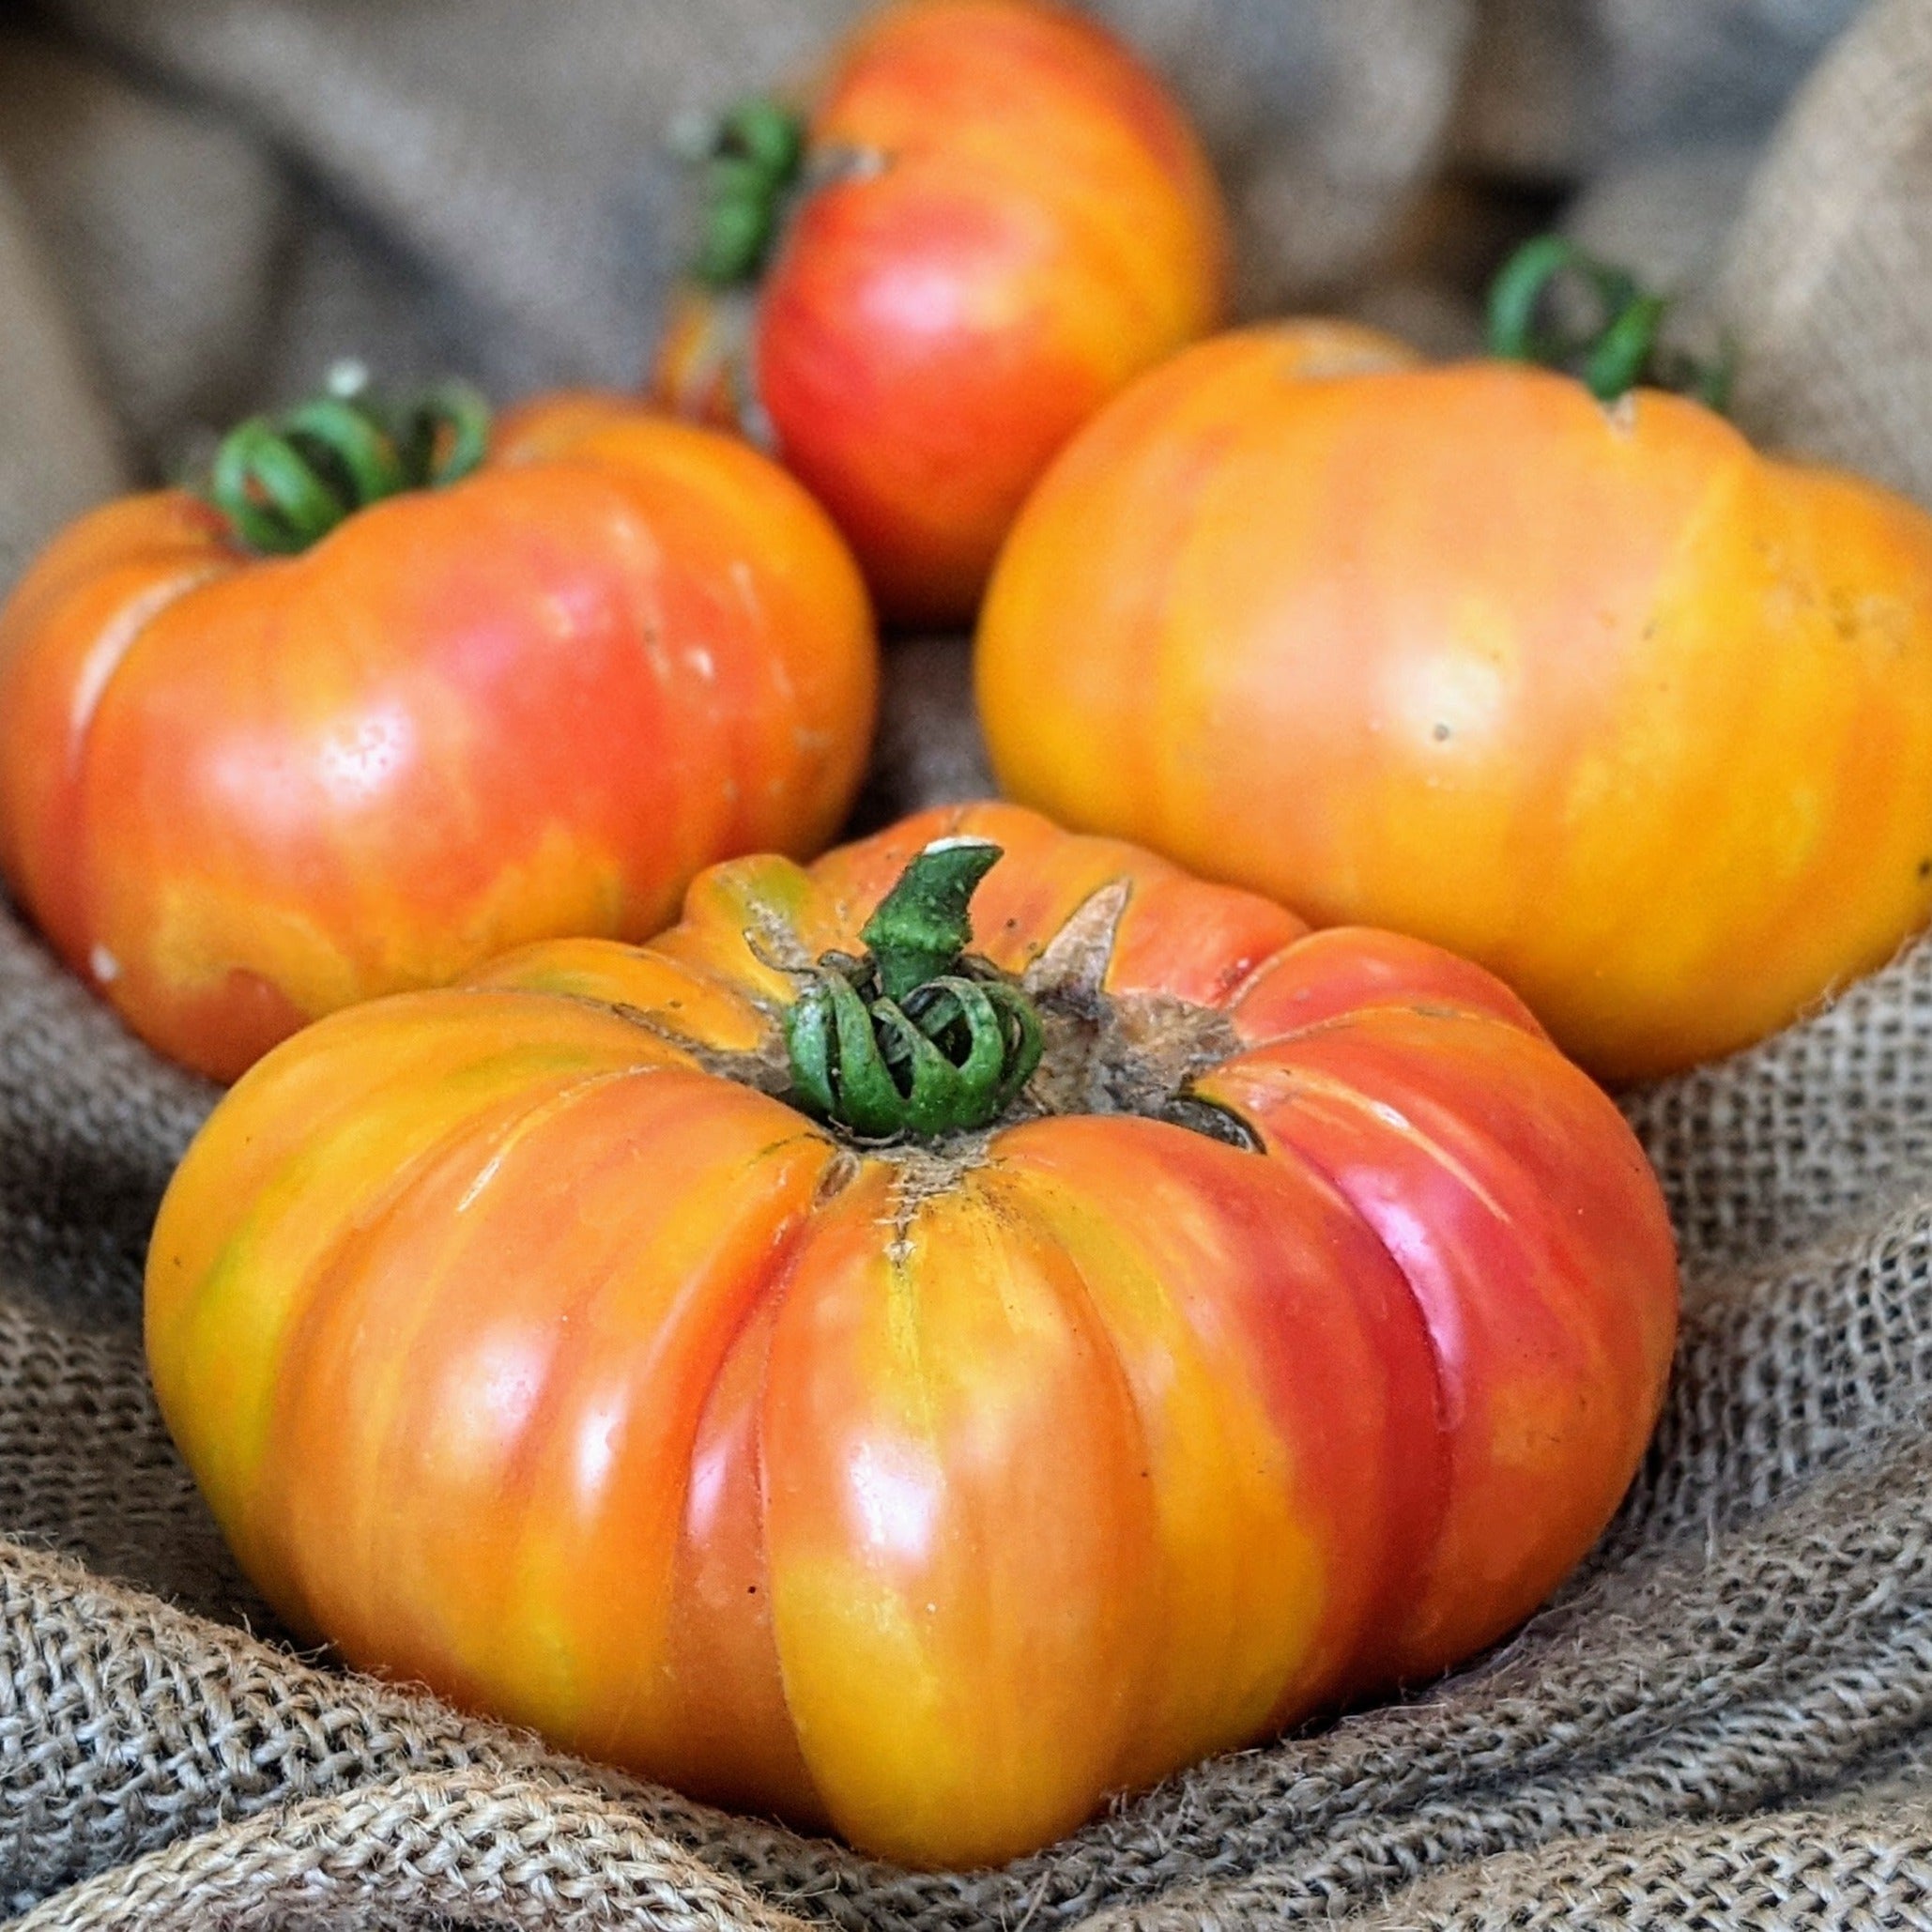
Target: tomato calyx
column 916, row 1037
column 1622, row 348
column 753, row 157
column 757, row 163
column 285, row 480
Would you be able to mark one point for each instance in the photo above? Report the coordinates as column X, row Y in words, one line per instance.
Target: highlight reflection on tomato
column 1291, row 1333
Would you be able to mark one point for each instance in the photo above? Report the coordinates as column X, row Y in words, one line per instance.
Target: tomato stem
column 1624, row 348
column 923, row 925
column 914, row 1037
column 285, row 482
column 752, row 155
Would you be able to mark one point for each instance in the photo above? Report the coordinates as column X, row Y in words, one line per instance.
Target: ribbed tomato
column 986, row 218
column 240, row 790
column 1595, row 693
column 1280, row 1318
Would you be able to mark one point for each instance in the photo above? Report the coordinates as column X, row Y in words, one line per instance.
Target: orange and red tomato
column 1295, row 1334
column 1595, row 693
column 1000, row 217
column 237, row 791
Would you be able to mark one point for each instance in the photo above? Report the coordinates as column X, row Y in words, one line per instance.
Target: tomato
column 1595, row 693
column 1231, row 1322
column 1000, row 218
column 238, row 791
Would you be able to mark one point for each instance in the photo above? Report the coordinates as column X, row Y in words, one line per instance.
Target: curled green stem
column 753, row 157
column 1625, row 346
column 285, row 482
column 914, row 1037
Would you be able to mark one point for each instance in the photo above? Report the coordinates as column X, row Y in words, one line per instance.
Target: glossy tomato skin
column 1637, row 717
column 238, row 793
column 1021, row 221
column 929, row 1495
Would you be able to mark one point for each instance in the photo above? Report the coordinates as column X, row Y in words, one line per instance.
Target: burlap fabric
column 1725, row 1721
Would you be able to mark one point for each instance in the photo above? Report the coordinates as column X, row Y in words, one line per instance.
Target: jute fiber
column 1724, row 1720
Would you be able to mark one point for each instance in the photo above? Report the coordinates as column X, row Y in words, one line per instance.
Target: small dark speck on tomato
column 1440, row 732
column 1926, row 868
column 751, row 1589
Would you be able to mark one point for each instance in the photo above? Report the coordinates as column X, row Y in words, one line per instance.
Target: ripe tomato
column 1000, row 217
column 1255, row 1320
column 238, row 791
column 1594, row 694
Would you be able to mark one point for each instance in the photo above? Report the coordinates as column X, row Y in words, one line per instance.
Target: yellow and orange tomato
column 1593, row 693
column 1297, row 1328
column 238, row 791
column 997, row 217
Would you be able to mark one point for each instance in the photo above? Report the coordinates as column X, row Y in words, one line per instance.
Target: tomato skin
column 1602, row 698
column 238, row 793
column 929, row 1496
column 1036, row 225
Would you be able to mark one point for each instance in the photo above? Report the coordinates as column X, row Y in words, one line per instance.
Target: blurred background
column 203, row 204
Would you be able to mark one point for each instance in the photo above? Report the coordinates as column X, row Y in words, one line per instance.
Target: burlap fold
column 1727, row 1718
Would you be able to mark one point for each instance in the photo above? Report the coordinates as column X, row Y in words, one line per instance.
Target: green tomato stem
column 915, row 1038
column 753, row 157
column 1625, row 349
column 923, row 925
column 285, row 482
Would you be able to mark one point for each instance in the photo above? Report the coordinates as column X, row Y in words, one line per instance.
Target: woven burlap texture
column 1725, row 1719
